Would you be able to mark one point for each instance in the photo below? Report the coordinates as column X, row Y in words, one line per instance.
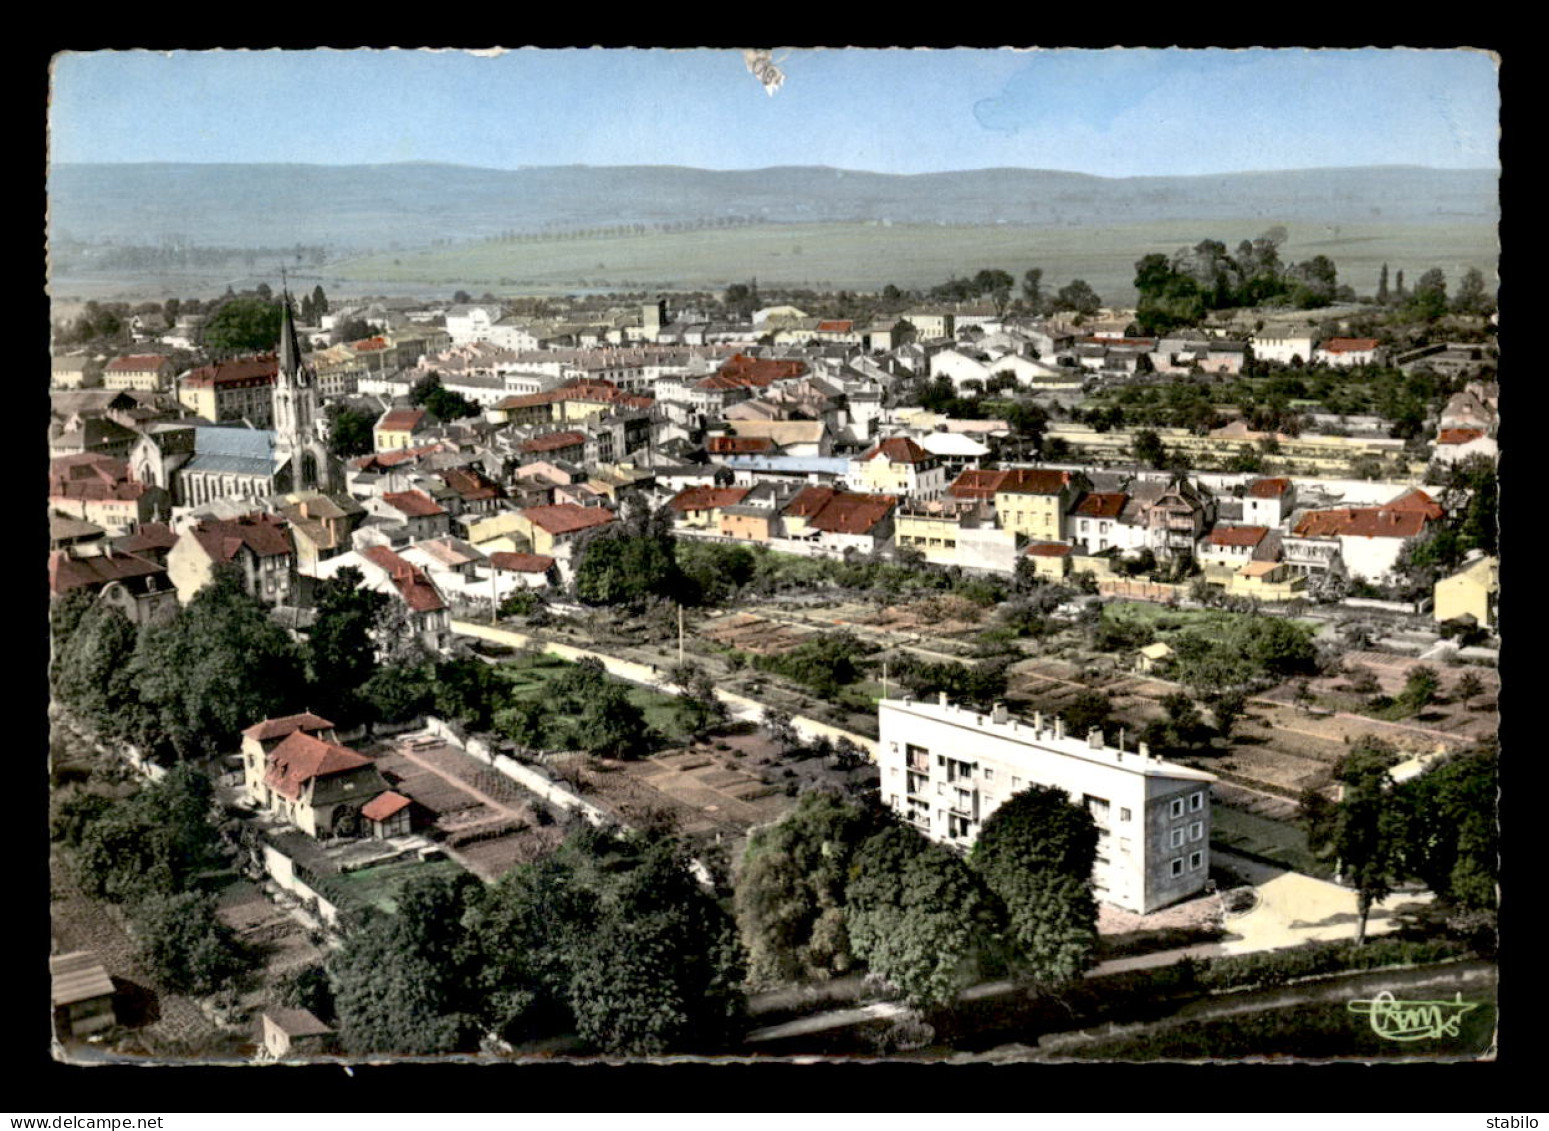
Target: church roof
column 239, row 451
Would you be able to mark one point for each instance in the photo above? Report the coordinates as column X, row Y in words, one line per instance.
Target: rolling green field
column 867, row 256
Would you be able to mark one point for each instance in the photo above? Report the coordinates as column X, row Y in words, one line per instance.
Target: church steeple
column 296, row 409
column 290, row 344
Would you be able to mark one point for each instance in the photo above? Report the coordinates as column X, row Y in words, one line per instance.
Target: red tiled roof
column 471, row 483
column 761, row 371
column 977, row 484
column 554, row 441
column 302, row 758
column 740, row 445
column 394, row 458
column 837, row 326
column 66, row 573
column 1048, row 550
column 844, row 512
column 1238, row 535
column 1101, row 504
column 1366, row 522
column 414, row 503
column 261, row 370
column 263, row 534
column 150, row 536
column 521, row 563
column 384, row 805
column 1034, row 481
column 1416, row 500
column 809, row 501
column 567, row 518
column 1348, row 345
column 410, row 581
column 137, row 363
column 707, row 498
column 286, row 724
column 400, row 420
column 1459, row 435
column 898, row 449
column 1268, row 488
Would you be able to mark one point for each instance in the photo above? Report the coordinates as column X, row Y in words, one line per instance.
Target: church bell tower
column 295, row 411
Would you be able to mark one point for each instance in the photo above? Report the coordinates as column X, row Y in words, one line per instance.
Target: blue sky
column 1112, row 113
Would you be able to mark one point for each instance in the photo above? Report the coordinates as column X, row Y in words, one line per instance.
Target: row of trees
column 1438, row 827
column 834, row 885
column 1178, row 291
column 610, row 938
column 1429, row 302
column 147, row 853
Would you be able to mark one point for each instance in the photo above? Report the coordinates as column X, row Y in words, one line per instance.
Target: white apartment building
column 945, row 769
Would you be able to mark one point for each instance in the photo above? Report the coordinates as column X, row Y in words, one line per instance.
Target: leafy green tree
column 1149, row 449
column 1473, row 297
column 1429, row 301
column 1470, row 686
column 1032, row 289
column 405, row 983
column 350, row 431
column 1036, row 853
column 184, row 944
column 790, row 888
column 1077, row 295
column 242, row 325
column 154, row 843
column 525, row 722
column 219, row 667
column 663, row 972
column 341, row 654
column 782, row 733
column 1382, row 286
column 1228, row 707
column 1420, row 688
column 1363, row 829
column 1449, row 830
column 64, row 615
column 467, row 689
column 921, row 919
column 92, row 671
column 617, row 568
column 612, row 725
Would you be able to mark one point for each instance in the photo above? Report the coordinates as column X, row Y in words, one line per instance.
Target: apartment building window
column 1197, row 802
column 1196, row 861
column 1098, row 807
column 1177, row 866
column 1197, row 830
column 1124, row 814
column 1016, row 783
column 1177, row 807
column 1176, row 840
column 989, row 774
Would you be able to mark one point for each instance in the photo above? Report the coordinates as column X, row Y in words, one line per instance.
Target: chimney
column 1038, row 722
column 998, row 713
column 1145, row 750
column 1059, row 727
column 1094, row 738
column 943, row 698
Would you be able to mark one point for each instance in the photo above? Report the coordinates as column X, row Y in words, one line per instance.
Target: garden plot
column 748, row 633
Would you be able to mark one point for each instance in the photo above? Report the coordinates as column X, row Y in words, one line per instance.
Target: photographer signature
column 1397, row 1020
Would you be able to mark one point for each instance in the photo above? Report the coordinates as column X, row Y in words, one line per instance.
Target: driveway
column 1294, row 908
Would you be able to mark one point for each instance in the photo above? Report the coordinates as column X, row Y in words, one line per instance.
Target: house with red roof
column 134, row 584
column 1050, row 560
column 258, row 545
column 556, row 527
column 1268, row 502
column 699, row 508
column 1454, row 445
column 294, row 769
column 1231, row 546
column 839, row 520
column 568, row 445
column 1345, row 352
column 898, row 466
column 1033, row 501
column 401, row 427
column 238, row 389
column 102, row 490
column 477, row 493
column 415, row 510
column 386, row 571
column 1095, row 520
column 523, row 571
column 150, row 372
column 1369, row 540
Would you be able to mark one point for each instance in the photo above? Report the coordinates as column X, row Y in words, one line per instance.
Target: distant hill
column 413, row 205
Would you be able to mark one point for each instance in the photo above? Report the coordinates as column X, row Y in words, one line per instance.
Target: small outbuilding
column 82, row 994
column 1149, row 658
column 294, row 1032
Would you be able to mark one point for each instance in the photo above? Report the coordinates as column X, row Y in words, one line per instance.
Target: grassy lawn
column 529, row 677
column 865, row 256
column 379, row 886
column 1278, row 841
column 1210, row 622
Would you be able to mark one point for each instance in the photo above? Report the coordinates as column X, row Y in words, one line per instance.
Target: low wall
column 1408, row 607
column 525, row 776
column 282, row 870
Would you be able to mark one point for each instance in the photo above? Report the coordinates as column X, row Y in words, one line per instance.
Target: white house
column 1282, row 347
column 946, row 769
column 471, row 322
